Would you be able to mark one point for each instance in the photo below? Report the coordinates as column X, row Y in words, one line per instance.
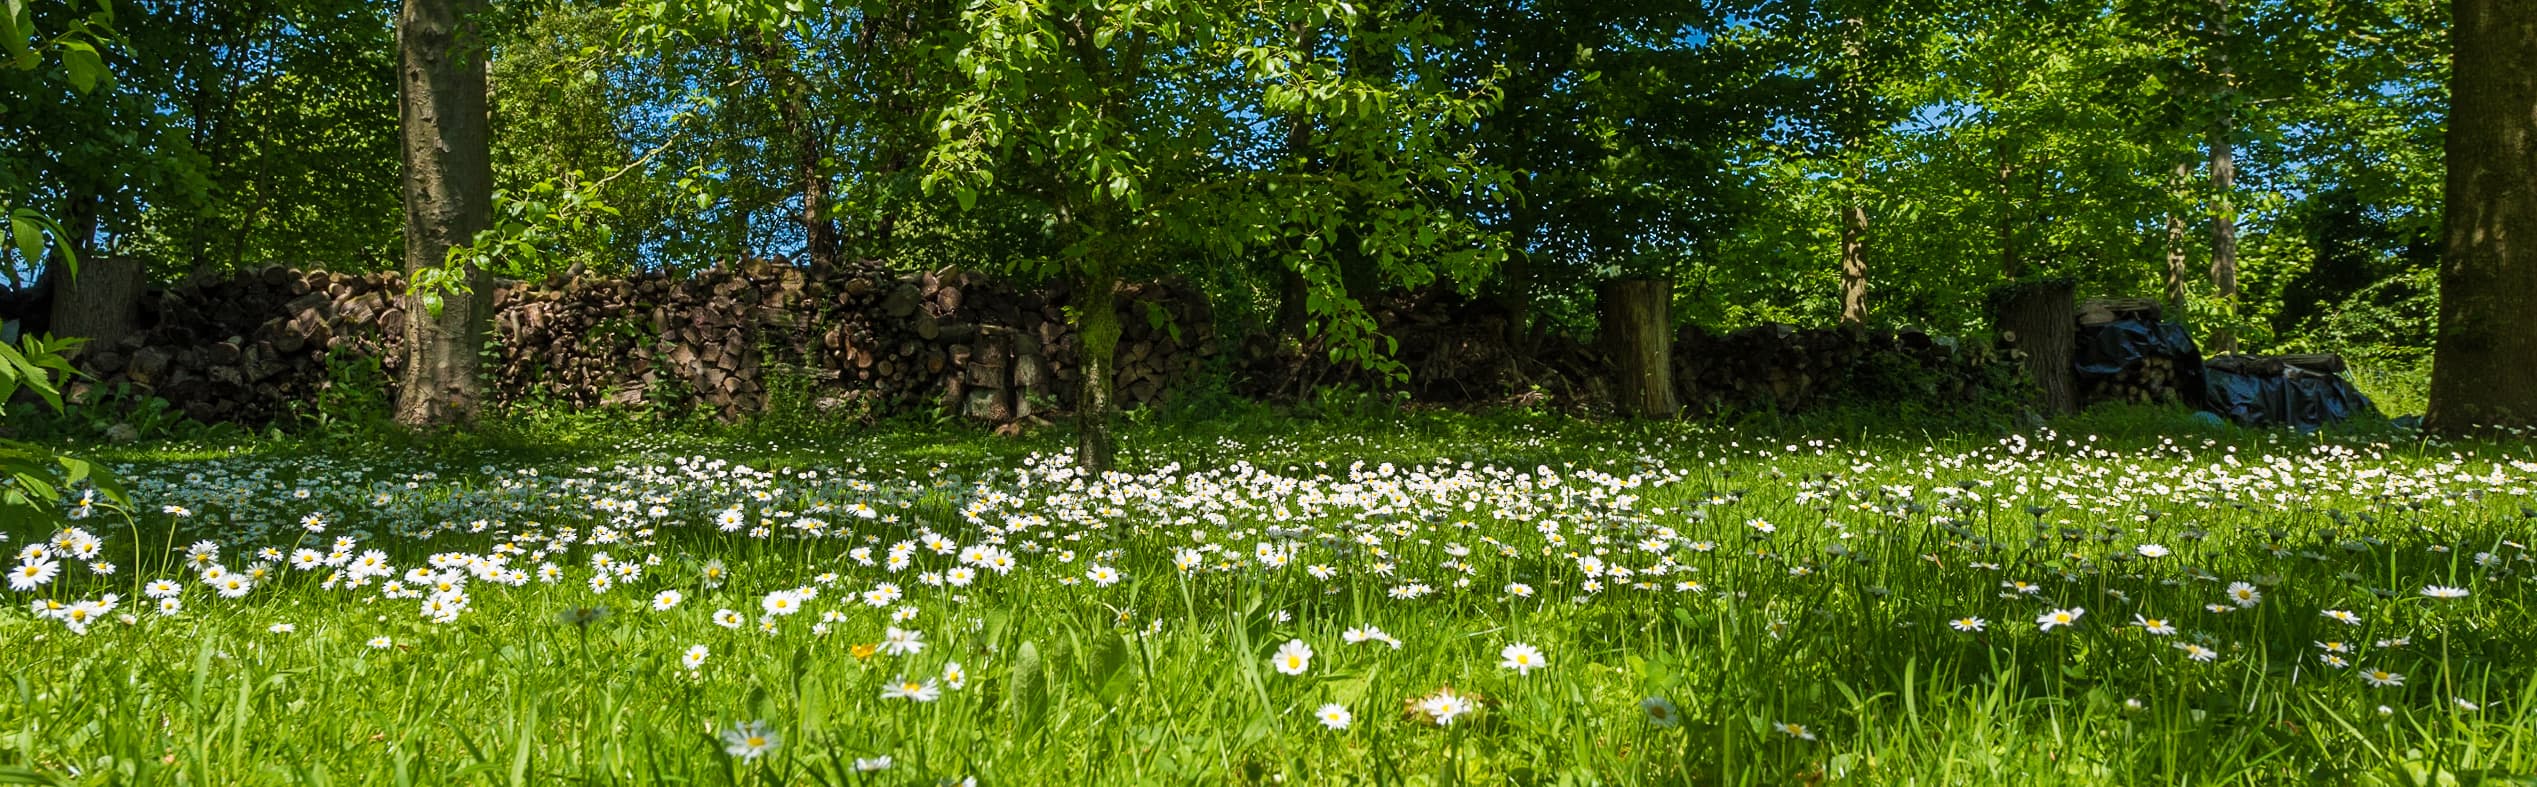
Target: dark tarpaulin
column 2107, row 351
column 2280, row 394
column 2298, row 397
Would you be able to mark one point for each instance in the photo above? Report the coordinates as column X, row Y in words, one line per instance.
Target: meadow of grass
column 1428, row 599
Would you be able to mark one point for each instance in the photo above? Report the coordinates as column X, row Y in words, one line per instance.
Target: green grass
column 1835, row 619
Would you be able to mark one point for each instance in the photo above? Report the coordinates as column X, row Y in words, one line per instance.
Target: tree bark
column 809, row 140
column 448, row 188
column 1850, row 118
column 2176, row 249
column 1097, row 302
column 1637, row 317
column 2223, row 184
column 1292, row 313
column 2484, row 360
column 1854, row 264
column 1515, row 276
column 2037, row 318
column 102, row 303
column 2011, row 267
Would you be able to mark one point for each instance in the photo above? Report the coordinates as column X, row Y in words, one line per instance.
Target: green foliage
column 353, row 402
column 39, row 480
column 36, row 480
column 1295, row 157
column 1113, row 119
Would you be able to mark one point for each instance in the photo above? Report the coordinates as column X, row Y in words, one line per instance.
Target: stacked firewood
column 1458, row 351
column 2157, row 361
column 1781, row 367
column 242, row 349
column 2155, row 380
column 1455, row 350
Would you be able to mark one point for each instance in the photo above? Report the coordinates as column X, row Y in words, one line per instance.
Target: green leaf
column 27, row 229
column 86, row 67
column 11, row 774
column 16, row 35
column 1028, row 699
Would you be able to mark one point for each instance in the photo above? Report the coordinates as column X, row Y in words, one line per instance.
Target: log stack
column 1457, row 353
column 2158, row 363
column 240, row 349
column 1784, row 368
column 1455, row 350
column 2156, row 380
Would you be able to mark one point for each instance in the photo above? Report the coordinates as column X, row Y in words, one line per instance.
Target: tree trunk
column 1854, row 264
column 2176, row 249
column 1292, row 314
column 2484, row 361
column 101, row 303
column 1515, row 276
column 1097, row 312
column 2011, row 266
column 819, row 234
column 1515, row 295
column 2037, row 318
column 2223, row 184
column 810, row 147
column 448, row 199
column 1850, row 113
column 1637, row 317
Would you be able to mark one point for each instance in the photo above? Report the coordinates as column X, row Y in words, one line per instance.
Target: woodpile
column 240, row 349
column 2100, row 311
column 1457, row 353
column 1455, row 350
column 1784, row 368
column 2126, row 354
column 2156, row 380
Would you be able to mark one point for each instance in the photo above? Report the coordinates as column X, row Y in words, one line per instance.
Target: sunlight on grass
column 1310, row 603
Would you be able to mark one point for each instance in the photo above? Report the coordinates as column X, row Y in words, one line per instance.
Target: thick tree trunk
column 819, row 234
column 1097, row 311
column 1515, row 276
column 2176, row 249
column 2484, row 362
column 448, row 199
column 1637, row 317
column 2037, row 318
column 101, row 303
column 2223, row 185
column 1854, row 264
column 1515, row 295
column 1292, row 315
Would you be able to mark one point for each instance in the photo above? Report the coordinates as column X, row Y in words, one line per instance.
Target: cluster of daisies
column 2042, row 517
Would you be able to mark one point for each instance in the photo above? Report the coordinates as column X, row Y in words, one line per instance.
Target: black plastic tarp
column 2108, row 350
column 2302, row 398
column 2296, row 397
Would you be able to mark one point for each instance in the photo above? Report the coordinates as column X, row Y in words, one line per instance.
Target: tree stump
column 102, row 303
column 2037, row 318
column 1638, row 333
